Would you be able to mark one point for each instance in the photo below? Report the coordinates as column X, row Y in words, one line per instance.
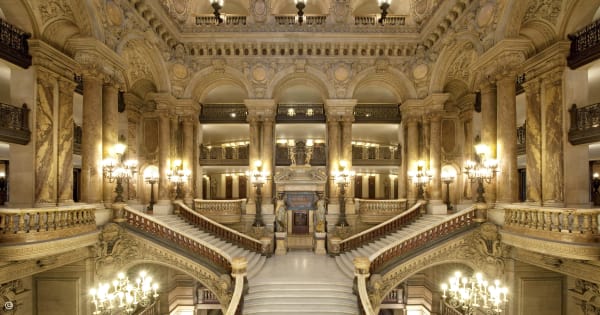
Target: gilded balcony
column 232, row 154
column 14, row 124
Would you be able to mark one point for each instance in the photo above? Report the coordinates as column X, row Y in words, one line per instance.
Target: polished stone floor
column 301, row 266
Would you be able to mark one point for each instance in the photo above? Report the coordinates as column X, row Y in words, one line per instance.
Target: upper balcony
column 14, row 124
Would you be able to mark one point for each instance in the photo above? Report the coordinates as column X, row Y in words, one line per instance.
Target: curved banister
column 219, row 230
column 147, row 223
column 450, row 225
column 382, row 229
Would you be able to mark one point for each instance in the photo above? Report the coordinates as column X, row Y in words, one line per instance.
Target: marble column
column 506, row 145
column 267, row 154
column 66, row 88
column 333, row 152
column 253, row 151
column 110, row 131
column 533, row 142
column 188, row 153
column 46, row 166
column 435, row 156
column 164, row 153
column 412, row 152
column 466, row 117
column 346, row 153
column 552, row 140
column 91, row 139
column 489, row 130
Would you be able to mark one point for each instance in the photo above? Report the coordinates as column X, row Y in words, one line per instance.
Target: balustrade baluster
column 21, row 226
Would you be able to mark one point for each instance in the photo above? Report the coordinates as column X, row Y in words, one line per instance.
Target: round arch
column 397, row 80
column 134, row 46
column 539, row 32
column 449, row 56
column 289, row 77
column 21, row 14
column 207, row 79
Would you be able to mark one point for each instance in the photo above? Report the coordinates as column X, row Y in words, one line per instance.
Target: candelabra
column 483, row 169
column 217, row 5
column 258, row 177
column 117, row 170
column 384, row 5
column 342, row 177
column 421, row 176
column 123, row 296
column 300, row 5
column 474, row 293
column 448, row 178
column 151, row 177
column 178, row 175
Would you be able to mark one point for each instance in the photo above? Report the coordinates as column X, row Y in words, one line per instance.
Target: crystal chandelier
column 474, row 293
column 124, row 296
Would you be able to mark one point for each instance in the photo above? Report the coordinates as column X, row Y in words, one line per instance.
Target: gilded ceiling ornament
column 543, row 9
column 55, row 9
column 114, row 13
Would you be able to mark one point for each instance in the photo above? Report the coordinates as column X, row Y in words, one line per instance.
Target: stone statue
column 320, row 215
column 280, row 217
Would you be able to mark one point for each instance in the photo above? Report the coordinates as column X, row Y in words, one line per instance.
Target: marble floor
column 301, row 266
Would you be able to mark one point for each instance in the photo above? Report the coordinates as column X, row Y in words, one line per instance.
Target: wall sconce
column 484, row 169
column 151, row 177
column 258, row 177
column 447, row 178
column 342, row 177
column 300, row 5
column 115, row 169
column 421, row 176
column 384, row 5
column 178, row 175
column 217, row 5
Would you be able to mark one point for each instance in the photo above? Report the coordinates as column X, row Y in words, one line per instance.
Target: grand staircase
column 423, row 223
column 255, row 260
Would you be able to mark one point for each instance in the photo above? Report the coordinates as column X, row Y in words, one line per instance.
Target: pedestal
column 118, row 215
column 319, row 247
column 281, row 243
column 334, row 245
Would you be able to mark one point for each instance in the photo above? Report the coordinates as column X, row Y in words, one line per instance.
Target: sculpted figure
column 280, row 218
column 320, row 215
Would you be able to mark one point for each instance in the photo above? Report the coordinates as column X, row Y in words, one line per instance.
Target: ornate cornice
column 91, row 52
column 547, row 60
column 575, row 268
column 513, row 51
column 340, row 107
column 24, row 251
column 567, row 250
column 51, row 59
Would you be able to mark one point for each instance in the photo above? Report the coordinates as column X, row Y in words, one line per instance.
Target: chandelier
column 420, row 177
column 474, row 293
column 124, row 296
column 483, row 169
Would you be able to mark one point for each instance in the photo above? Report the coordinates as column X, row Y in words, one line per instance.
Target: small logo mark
column 9, row 305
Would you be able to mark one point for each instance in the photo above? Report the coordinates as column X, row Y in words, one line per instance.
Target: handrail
column 566, row 224
column 149, row 224
column 40, row 224
column 382, row 229
column 219, row 230
column 450, row 225
column 222, row 211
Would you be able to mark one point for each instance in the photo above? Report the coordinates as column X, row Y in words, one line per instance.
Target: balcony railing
column 377, row 113
column 223, row 113
column 13, row 45
column 376, row 155
column 14, row 124
column 585, row 45
column 585, row 124
column 228, row 19
column 283, row 158
column 221, row 211
column 300, row 113
column 521, row 139
column 377, row 211
column 224, row 155
column 308, row 19
column 373, row 19
column 43, row 224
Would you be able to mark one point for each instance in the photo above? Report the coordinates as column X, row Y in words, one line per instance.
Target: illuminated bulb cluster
column 486, row 169
column 342, row 174
column 258, row 175
column 420, row 175
column 124, row 296
column 474, row 293
column 177, row 174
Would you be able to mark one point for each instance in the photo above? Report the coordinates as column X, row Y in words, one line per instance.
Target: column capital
column 48, row 57
column 164, row 101
column 186, row 107
column 531, row 86
column 259, row 109
column 90, row 50
column 435, row 102
column 550, row 58
column 340, row 107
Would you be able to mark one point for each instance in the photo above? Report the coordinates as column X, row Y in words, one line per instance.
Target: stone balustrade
column 377, row 211
column 221, row 211
column 559, row 224
column 42, row 224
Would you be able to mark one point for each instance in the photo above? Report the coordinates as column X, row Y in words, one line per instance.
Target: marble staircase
column 255, row 260
column 344, row 260
column 300, row 283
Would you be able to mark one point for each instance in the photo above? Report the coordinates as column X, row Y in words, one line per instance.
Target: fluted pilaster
column 188, row 153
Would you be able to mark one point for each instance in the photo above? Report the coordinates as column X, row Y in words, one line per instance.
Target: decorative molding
column 567, row 250
column 548, row 10
column 25, row 251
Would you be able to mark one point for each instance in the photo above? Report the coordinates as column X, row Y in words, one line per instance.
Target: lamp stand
column 300, row 6
column 342, row 199
column 150, row 207
column 119, row 190
column 448, row 205
column 258, row 222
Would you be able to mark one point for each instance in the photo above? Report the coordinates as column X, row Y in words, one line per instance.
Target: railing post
column 118, row 213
